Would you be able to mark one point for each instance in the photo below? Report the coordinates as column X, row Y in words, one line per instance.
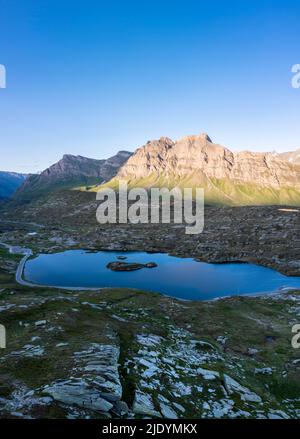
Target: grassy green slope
column 217, row 191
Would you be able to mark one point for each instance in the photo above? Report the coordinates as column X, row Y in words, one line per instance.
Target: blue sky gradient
column 93, row 77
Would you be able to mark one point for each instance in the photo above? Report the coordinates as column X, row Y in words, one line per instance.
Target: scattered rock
column 167, row 411
column 124, row 266
column 40, row 323
column 233, row 386
column 151, row 265
column 77, row 392
column 278, row 414
column 264, row 371
column 222, row 340
column 252, row 351
column 120, row 408
column 143, row 405
column 29, row 351
column 208, row 374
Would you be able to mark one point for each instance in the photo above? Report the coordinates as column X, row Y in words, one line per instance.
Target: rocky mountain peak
column 205, row 137
column 195, row 161
column 72, row 171
column 68, row 157
column 166, row 141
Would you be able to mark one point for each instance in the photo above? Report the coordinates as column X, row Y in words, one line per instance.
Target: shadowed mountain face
column 9, row 183
column 71, row 171
column 230, row 178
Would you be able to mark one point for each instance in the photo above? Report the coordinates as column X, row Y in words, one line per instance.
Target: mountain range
column 229, row 178
column 291, row 156
column 9, row 183
column 69, row 172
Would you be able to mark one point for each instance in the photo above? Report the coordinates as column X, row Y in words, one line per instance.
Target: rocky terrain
column 241, row 178
column 266, row 235
column 122, row 353
column 116, row 353
column 69, row 172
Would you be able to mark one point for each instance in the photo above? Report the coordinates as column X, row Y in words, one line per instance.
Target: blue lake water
column 179, row 277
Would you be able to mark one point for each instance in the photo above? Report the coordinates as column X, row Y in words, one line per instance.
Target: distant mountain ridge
column 291, row 156
column 9, row 183
column 230, row 178
column 69, row 172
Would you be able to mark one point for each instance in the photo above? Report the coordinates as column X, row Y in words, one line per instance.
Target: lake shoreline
column 19, row 276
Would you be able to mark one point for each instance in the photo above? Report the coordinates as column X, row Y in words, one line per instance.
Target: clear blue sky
column 92, row 77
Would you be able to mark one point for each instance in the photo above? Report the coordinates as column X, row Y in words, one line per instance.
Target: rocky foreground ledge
column 122, row 353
